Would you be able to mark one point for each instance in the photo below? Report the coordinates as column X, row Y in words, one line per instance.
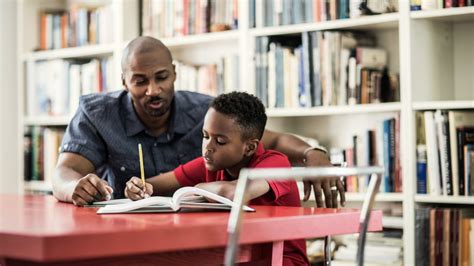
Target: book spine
column 421, row 169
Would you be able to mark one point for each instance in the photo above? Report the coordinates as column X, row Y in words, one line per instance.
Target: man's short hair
column 143, row 44
column 247, row 110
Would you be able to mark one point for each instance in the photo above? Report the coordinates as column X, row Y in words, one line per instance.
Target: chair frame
column 299, row 174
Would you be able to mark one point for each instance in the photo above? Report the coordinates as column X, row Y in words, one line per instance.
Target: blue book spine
column 421, row 177
column 386, row 153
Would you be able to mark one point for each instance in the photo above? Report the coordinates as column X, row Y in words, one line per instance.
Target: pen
column 142, row 170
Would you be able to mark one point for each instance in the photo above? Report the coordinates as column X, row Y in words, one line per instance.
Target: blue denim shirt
column 106, row 130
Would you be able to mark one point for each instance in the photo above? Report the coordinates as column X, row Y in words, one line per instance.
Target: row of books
column 379, row 146
column 444, row 236
column 380, row 249
column 322, row 68
column 165, row 18
column 77, row 26
column 438, row 4
column 211, row 79
column 54, row 86
column 445, row 152
column 267, row 13
column 41, row 150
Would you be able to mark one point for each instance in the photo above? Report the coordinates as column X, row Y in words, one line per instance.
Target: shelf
column 72, row 52
column 433, row 105
column 47, row 121
column 381, row 197
column 457, row 14
column 38, row 186
column 334, row 110
column 201, row 38
column 359, row 197
column 384, row 21
column 444, row 199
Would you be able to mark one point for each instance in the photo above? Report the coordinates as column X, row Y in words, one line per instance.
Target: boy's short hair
column 247, row 110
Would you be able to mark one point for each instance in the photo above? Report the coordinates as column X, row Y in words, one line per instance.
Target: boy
column 233, row 128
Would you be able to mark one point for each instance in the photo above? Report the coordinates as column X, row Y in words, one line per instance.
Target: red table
column 40, row 230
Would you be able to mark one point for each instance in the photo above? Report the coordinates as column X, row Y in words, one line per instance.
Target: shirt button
column 155, row 144
column 122, row 168
column 168, row 136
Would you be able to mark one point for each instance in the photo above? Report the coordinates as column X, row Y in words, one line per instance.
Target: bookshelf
column 429, row 49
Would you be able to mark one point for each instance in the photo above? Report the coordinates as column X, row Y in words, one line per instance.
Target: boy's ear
column 251, row 147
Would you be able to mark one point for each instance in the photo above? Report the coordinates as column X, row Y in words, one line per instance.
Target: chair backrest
column 298, row 173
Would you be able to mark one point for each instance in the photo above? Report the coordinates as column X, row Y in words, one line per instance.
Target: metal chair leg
column 327, row 250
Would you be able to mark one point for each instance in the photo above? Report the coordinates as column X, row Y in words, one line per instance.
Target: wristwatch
column 316, row 147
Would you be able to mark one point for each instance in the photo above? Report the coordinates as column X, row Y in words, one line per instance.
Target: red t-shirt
column 282, row 193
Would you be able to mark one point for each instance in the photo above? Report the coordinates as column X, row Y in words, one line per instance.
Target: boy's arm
column 255, row 188
column 297, row 153
column 163, row 184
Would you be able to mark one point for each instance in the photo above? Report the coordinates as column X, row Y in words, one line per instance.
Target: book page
column 109, row 202
column 182, row 195
column 134, row 205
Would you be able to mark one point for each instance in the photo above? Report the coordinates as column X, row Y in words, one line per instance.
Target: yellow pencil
column 142, row 170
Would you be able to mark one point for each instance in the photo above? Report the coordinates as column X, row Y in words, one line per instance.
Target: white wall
column 10, row 152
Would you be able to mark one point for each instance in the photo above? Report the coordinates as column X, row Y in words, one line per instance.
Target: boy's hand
column 135, row 190
column 91, row 188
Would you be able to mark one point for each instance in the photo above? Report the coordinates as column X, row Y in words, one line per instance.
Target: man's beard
column 157, row 113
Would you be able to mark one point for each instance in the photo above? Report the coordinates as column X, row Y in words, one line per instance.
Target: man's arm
column 74, row 181
column 295, row 148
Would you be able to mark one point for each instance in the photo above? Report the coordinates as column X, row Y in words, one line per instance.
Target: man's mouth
column 156, row 104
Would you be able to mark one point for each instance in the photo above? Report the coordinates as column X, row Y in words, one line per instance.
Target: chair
column 300, row 173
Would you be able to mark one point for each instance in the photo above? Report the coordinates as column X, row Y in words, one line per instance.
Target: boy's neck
column 234, row 171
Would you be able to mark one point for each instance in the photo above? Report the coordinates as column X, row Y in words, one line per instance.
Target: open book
column 183, row 198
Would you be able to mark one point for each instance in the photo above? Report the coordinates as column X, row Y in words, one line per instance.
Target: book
column 183, row 198
column 432, row 155
column 457, row 119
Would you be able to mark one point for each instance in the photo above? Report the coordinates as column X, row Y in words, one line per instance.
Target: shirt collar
column 178, row 118
column 133, row 125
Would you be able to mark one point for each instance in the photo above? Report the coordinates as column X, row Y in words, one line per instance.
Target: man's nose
column 153, row 89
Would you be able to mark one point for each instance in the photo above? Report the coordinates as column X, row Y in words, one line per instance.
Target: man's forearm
column 64, row 183
column 294, row 148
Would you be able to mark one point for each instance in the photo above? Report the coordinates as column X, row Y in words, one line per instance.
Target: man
column 102, row 138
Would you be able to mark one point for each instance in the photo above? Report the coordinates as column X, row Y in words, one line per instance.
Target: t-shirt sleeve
column 191, row 173
column 279, row 188
column 82, row 137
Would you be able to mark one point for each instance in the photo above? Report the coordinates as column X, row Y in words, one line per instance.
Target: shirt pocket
column 124, row 168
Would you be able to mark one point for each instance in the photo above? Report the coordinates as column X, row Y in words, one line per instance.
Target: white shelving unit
column 432, row 105
column 46, row 121
column 444, row 199
column 334, row 110
column 384, row 21
column 432, row 51
column 201, row 39
column 72, row 52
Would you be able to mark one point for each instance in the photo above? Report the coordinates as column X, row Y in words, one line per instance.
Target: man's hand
column 91, row 188
column 330, row 186
column 135, row 190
